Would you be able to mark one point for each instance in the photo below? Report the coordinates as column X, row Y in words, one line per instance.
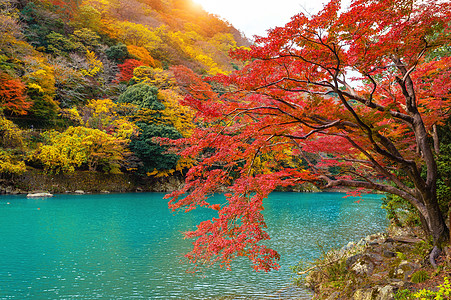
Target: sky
column 254, row 17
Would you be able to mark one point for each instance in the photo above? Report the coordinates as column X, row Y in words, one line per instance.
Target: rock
column 105, row 192
column 39, row 195
column 375, row 257
column 360, row 264
column 400, row 232
column 10, row 190
column 80, row 192
column 389, row 254
column 405, row 269
column 386, row 293
column 363, row 294
column 334, row 296
column 405, row 239
column 400, row 284
column 363, row 267
column 376, row 239
column 349, row 246
column 375, row 293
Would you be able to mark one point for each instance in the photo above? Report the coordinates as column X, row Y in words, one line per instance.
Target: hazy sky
column 254, row 17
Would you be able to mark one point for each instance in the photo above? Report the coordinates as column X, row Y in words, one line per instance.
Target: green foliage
column 400, row 211
column 60, row 45
column 143, row 96
column 88, row 17
column 40, row 21
column 422, row 248
column 153, row 155
column 402, row 294
column 443, row 292
column 444, row 180
column 419, row 276
column 87, row 37
column 401, row 255
column 117, row 53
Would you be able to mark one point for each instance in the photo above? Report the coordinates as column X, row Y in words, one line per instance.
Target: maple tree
column 293, row 100
column 13, row 98
column 127, row 69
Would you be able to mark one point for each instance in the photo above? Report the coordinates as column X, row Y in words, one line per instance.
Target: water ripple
column 129, row 246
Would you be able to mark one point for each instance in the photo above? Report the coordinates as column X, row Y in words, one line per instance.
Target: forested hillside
column 87, row 85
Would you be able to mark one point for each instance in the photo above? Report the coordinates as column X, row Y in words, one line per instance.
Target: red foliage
column 127, row 69
column 12, row 95
column 291, row 103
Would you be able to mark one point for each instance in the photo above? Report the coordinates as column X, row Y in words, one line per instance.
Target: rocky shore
column 377, row 267
column 34, row 181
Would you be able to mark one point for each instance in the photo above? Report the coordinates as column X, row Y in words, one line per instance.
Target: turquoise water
column 129, row 246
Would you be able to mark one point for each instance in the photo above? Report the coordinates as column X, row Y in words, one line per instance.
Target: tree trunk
column 436, row 139
column 436, row 225
column 437, row 229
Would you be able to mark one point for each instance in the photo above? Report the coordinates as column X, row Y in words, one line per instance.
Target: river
column 130, row 246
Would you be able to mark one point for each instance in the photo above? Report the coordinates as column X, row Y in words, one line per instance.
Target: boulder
column 79, row 192
column 386, row 293
column 361, row 264
column 405, row 269
column 39, row 195
column 376, row 293
column 364, row 294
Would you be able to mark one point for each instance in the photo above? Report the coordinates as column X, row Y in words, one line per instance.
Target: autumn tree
column 152, row 123
column 127, row 69
column 11, row 149
column 110, row 117
column 13, row 98
column 294, row 95
column 80, row 146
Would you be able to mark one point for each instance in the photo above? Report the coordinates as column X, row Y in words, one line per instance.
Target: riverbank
column 93, row 182
column 392, row 265
column 35, row 180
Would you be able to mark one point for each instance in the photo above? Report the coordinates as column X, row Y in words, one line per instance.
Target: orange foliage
column 12, row 95
column 142, row 54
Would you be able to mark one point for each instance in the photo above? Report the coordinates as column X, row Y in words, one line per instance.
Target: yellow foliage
column 35, row 86
column 124, row 129
column 80, row 145
column 181, row 117
column 104, row 114
column 95, row 66
column 184, row 163
column 102, row 106
column 71, row 114
column 212, row 66
column 223, row 42
column 40, row 76
column 10, row 165
column 10, row 135
column 153, row 76
column 159, row 173
column 137, row 35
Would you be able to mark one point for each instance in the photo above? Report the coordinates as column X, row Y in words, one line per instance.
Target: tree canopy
column 294, row 100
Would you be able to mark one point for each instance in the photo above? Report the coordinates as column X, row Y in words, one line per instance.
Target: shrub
column 419, row 276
